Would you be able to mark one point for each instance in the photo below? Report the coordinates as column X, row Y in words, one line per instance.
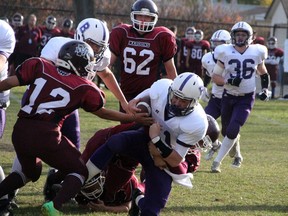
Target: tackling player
column 53, row 94
column 7, row 45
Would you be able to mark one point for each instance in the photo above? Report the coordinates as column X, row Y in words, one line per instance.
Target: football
column 144, row 105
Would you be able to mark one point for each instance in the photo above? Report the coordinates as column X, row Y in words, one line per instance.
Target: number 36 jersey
column 53, row 94
column 243, row 65
column 141, row 55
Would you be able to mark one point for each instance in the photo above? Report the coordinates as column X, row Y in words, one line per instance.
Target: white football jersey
column 52, row 48
column 7, row 45
column 208, row 62
column 243, row 65
column 178, row 132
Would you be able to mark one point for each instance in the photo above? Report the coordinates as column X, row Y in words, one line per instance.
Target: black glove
column 234, row 81
column 264, row 95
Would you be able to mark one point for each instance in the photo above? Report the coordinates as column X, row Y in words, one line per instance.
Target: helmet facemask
column 176, row 110
column 142, row 26
column 93, row 189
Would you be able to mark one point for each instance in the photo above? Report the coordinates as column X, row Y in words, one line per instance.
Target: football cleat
column 134, row 210
column 49, row 210
column 237, row 162
column 48, row 191
column 215, row 168
column 5, row 208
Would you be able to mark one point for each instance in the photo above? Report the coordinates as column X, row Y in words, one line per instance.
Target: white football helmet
column 199, row 35
column 187, row 86
column 17, row 19
column 95, row 31
column 189, row 33
column 51, row 22
column 242, row 27
column 272, row 43
column 144, row 8
column 94, row 187
column 221, row 36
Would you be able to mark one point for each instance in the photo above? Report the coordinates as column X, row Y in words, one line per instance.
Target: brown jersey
column 141, row 55
column 53, row 94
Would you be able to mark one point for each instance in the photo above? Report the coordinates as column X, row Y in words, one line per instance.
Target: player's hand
column 132, row 108
column 160, row 162
column 143, row 119
column 234, row 81
column 205, row 95
column 265, row 94
column 154, row 130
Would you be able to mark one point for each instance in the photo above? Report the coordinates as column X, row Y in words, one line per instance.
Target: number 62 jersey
column 243, row 65
column 141, row 55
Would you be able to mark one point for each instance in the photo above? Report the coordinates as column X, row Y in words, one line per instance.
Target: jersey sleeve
column 168, row 45
column 115, row 40
column 27, row 71
column 219, row 52
column 93, row 99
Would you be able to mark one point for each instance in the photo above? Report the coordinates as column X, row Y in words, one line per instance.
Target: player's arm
column 110, row 81
column 9, row 83
column 170, row 69
column 170, row 156
column 187, row 57
column 217, row 74
column 114, row 115
column 265, row 81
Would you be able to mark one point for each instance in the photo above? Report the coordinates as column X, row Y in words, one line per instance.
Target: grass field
column 259, row 187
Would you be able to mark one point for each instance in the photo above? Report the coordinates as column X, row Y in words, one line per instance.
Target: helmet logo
column 184, row 82
column 82, row 51
column 84, row 27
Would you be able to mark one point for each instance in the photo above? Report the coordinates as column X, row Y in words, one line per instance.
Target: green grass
column 259, row 187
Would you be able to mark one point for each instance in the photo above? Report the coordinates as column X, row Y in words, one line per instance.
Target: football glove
column 265, row 95
column 234, row 81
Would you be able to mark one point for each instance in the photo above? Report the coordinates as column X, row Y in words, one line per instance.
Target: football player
column 275, row 54
column 236, row 67
column 182, row 54
column 49, row 30
column 53, row 94
column 213, row 107
column 195, row 51
column 7, row 45
column 96, row 34
column 141, row 47
column 180, row 122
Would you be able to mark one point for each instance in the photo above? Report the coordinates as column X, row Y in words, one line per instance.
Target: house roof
column 273, row 7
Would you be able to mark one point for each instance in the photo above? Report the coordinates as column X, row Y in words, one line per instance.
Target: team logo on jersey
column 82, row 51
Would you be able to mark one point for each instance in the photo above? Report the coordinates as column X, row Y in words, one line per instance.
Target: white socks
column 225, row 148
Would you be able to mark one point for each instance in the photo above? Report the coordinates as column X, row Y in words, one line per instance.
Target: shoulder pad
column 158, row 87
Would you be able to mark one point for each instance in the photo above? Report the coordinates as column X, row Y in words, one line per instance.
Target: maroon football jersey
column 183, row 54
column 48, row 34
column 28, row 40
column 197, row 50
column 53, row 94
column 272, row 62
column 141, row 55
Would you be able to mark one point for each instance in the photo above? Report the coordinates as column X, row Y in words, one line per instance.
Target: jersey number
column 243, row 69
column 130, row 65
column 46, row 107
